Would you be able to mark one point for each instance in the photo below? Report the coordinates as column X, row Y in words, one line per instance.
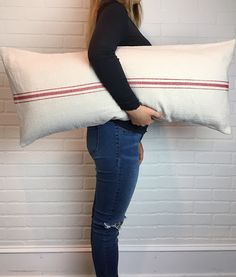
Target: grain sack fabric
column 56, row 92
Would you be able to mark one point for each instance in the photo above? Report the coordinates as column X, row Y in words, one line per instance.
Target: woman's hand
column 143, row 115
column 141, row 151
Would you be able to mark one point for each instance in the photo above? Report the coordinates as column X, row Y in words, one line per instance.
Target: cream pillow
column 60, row 91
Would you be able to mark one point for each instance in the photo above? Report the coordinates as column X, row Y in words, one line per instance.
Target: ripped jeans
column 115, row 151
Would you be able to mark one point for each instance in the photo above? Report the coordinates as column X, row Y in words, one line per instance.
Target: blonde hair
column 133, row 8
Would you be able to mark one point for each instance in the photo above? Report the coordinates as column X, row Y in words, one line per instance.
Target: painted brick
column 187, row 181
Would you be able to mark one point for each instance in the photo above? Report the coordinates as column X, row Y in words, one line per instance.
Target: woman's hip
column 110, row 141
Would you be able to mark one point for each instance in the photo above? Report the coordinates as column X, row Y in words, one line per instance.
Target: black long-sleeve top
column 115, row 28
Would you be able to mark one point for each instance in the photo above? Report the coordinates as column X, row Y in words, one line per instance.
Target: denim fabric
column 115, row 151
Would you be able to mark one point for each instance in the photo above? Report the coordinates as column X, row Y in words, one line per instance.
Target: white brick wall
column 186, row 190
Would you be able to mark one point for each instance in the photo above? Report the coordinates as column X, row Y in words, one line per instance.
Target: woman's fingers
column 140, row 152
column 157, row 116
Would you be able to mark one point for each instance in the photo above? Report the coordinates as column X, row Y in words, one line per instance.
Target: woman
column 116, row 145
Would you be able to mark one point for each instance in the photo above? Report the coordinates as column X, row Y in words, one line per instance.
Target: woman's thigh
column 115, row 152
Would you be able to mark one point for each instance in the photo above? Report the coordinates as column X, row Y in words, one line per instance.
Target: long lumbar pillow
column 60, row 91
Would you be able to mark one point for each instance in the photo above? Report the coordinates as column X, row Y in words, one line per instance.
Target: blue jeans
column 115, row 152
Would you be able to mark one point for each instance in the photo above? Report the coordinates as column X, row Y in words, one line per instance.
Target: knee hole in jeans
column 115, row 225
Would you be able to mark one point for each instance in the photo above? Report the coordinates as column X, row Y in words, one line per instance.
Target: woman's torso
column 133, row 38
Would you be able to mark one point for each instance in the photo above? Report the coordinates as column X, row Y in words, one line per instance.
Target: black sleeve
column 110, row 30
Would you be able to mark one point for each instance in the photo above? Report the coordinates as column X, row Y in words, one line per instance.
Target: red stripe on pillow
column 93, row 87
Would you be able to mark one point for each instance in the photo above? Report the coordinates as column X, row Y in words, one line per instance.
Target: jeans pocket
column 132, row 133
column 92, row 139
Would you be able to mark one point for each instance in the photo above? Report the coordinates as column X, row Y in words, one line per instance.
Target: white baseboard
column 131, row 275
column 206, row 260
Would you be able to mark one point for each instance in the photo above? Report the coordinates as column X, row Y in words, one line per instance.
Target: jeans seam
column 117, row 135
column 96, row 149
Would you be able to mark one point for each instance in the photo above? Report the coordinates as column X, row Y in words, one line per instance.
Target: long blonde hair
column 133, row 8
